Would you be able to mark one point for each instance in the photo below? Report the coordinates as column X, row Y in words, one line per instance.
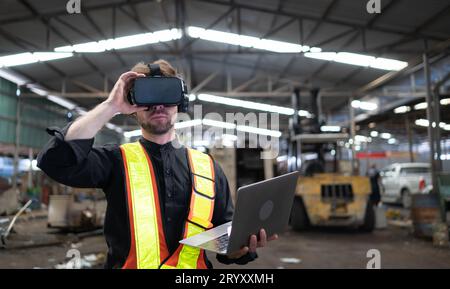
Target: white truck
column 400, row 181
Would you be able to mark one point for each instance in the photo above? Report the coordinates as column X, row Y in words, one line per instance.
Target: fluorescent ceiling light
column 388, row 64
column 279, row 46
column 123, row 42
column 445, row 101
column 426, row 123
column 257, row 130
column 358, row 59
column 385, row 135
column 360, row 138
column 245, row 104
column 304, row 113
column 422, row 105
column 246, row 41
column 192, row 97
column 28, row 57
column 364, row 105
column 392, row 141
column 330, row 128
column 330, row 56
column 422, row 122
column 402, row 109
column 354, row 59
column 220, row 124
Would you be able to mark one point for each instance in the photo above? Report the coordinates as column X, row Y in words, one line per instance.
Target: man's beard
column 156, row 129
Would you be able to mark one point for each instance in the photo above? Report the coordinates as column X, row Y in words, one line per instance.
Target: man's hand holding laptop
column 253, row 244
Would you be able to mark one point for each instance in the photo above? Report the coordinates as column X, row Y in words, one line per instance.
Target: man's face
column 158, row 119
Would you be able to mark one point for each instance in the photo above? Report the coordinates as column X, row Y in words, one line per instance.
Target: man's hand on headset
column 118, row 95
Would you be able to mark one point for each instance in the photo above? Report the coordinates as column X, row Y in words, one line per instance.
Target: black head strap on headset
column 155, row 69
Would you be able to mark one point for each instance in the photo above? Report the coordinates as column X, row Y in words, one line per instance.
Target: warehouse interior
column 348, row 93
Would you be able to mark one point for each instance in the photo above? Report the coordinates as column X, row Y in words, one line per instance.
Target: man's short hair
column 166, row 68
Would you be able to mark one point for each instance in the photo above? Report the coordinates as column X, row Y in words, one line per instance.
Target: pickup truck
column 400, row 181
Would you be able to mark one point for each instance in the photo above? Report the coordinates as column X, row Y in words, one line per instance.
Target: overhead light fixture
column 354, row 59
column 385, row 135
column 29, row 57
column 388, row 64
column 220, row 124
column 330, row 128
column 330, row 56
column 246, row 104
column 420, row 106
column 247, row 41
column 374, row 133
column 360, row 138
column 359, row 60
column 364, row 105
column 422, row 122
column 392, row 141
column 402, row 109
column 123, row 42
column 256, row 130
column 426, row 123
column 445, row 101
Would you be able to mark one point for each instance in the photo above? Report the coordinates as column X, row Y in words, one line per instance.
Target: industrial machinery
column 328, row 193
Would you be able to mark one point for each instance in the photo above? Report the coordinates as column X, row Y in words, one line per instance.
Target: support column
column 17, row 142
column 352, row 133
column 410, row 141
column 431, row 120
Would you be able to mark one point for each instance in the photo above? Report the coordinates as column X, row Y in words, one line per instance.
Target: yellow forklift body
column 334, row 199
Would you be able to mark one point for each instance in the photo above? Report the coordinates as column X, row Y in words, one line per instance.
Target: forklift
column 329, row 192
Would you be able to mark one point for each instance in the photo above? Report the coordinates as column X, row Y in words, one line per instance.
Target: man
column 374, row 176
column 152, row 201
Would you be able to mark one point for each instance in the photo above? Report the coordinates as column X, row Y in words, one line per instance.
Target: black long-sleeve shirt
column 77, row 163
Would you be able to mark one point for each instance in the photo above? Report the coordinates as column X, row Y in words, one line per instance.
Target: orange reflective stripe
column 203, row 194
column 144, row 212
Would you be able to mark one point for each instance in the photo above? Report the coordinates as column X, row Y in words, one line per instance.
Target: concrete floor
column 316, row 248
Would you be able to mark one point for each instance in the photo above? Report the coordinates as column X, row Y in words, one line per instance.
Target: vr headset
column 157, row 89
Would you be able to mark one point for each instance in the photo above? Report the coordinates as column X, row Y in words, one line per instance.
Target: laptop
column 263, row 205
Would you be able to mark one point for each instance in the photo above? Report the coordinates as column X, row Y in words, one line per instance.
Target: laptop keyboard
column 219, row 244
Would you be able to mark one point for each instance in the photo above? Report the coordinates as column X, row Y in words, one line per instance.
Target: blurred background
column 361, row 90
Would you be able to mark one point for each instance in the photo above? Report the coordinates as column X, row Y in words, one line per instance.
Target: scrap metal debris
column 5, row 233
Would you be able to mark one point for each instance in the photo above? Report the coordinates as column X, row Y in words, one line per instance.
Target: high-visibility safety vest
column 148, row 248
